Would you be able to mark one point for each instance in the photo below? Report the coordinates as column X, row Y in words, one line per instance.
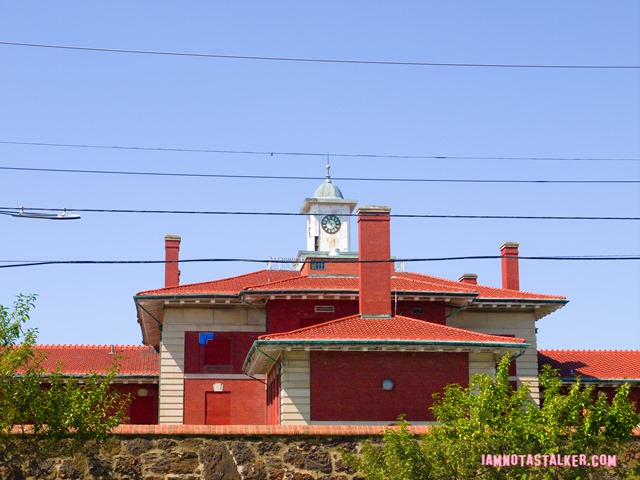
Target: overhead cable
column 320, row 60
column 281, row 261
column 271, row 153
column 280, row 177
column 295, row 214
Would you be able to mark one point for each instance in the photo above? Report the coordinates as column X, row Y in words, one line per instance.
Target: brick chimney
column 470, row 278
column 172, row 254
column 374, row 243
column 510, row 275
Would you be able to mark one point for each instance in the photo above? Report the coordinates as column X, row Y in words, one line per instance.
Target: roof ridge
column 542, row 350
column 305, row 329
column 461, row 286
column 277, row 281
column 457, row 283
column 195, row 284
column 457, row 329
column 441, row 279
column 422, row 323
column 301, row 279
column 546, row 295
column 426, row 275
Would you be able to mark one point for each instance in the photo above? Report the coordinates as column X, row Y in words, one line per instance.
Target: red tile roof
column 305, row 283
column 225, row 286
column 391, row 329
column 483, row 291
column 593, row 364
column 282, row 280
column 399, row 283
column 84, row 359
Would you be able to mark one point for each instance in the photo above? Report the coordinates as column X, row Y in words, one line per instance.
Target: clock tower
column 328, row 219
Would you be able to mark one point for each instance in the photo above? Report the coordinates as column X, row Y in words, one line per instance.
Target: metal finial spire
column 328, row 167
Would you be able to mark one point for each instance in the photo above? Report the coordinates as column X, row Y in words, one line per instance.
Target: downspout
column 266, row 317
column 273, row 360
column 156, row 320
column 256, row 379
column 456, row 311
column 244, row 302
column 520, row 354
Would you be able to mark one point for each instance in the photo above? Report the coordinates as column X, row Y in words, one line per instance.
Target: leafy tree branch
column 489, row 417
column 48, row 405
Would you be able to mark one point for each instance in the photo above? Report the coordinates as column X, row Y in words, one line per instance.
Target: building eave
column 297, row 292
column 185, row 296
column 133, row 378
column 264, row 353
column 539, row 307
column 150, row 310
column 536, row 301
column 604, row 381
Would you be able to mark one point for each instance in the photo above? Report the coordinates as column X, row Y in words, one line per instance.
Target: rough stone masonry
column 190, row 458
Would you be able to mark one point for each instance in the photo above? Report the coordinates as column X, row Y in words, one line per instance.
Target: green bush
column 48, row 405
column 489, row 417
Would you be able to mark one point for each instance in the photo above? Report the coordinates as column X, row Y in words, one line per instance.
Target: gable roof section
column 482, row 290
column 263, row 283
column 149, row 303
column 397, row 333
column 335, row 283
column 304, row 283
column 85, row 359
column 225, row 286
column 590, row 365
column 407, row 282
column 396, row 328
column 281, row 280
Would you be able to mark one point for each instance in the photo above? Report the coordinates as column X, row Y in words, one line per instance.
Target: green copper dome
column 327, row 194
column 328, row 190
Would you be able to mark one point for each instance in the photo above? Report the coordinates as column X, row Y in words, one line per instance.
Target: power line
column 280, row 177
column 294, row 214
column 253, row 260
column 316, row 154
column 317, row 60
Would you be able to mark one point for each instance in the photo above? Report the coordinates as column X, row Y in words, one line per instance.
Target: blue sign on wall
column 205, row 336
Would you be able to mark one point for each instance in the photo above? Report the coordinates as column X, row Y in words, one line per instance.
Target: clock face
column 330, row 223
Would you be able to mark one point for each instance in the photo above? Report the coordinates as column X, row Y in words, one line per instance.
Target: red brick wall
column 433, row 311
column 194, row 353
column 171, row 267
column 273, row 396
column 375, row 278
column 141, row 410
column 347, row 386
column 287, row 315
column 331, row 267
column 634, row 394
column 510, row 274
column 247, row 401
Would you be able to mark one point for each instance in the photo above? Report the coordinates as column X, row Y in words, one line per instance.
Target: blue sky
column 75, row 97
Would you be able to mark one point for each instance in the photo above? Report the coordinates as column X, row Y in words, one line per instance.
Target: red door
column 218, row 408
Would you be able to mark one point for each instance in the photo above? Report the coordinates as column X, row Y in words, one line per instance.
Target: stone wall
column 190, row 458
column 197, row 457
